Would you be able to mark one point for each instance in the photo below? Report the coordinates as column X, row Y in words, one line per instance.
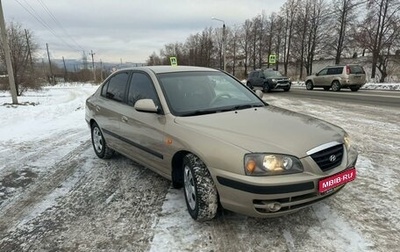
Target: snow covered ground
column 368, row 86
column 56, row 195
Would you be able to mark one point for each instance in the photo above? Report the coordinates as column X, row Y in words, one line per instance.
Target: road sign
column 174, row 61
column 272, row 59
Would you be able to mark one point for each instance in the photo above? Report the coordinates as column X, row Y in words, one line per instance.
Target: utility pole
column 101, row 70
column 65, row 70
column 94, row 71
column 223, row 40
column 10, row 71
column 51, row 69
column 29, row 48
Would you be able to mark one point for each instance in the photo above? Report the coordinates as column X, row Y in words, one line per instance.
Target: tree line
column 300, row 33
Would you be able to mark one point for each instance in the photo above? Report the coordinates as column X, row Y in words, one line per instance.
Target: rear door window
column 116, row 87
column 335, row 70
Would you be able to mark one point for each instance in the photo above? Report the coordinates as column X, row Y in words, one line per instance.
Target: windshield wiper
column 200, row 112
column 246, row 106
column 218, row 110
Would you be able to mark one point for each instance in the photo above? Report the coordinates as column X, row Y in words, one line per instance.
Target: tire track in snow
column 17, row 209
column 109, row 205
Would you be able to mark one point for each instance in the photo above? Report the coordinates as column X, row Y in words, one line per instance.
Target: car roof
column 345, row 65
column 171, row 69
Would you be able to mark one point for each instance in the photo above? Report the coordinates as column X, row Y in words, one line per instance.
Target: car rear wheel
column 309, row 85
column 200, row 191
column 99, row 144
column 336, row 86
column 354, row 89
column 250, row 86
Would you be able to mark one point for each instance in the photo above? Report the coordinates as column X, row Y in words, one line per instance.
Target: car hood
column 266, row 129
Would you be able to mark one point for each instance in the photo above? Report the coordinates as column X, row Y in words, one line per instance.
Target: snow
column 367, row 86
column 59, row 109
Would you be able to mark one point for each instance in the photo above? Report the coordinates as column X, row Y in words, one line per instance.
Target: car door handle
column 124, row 119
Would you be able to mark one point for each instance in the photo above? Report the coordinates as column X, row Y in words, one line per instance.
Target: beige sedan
column 208, row 133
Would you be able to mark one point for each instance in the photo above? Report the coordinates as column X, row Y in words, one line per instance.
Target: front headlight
column 274, row 80
column 261, row 164
column 352, row 153
column 347, row 142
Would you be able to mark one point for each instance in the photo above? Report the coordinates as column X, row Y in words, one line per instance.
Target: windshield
column 271, row 73
column 195, row 93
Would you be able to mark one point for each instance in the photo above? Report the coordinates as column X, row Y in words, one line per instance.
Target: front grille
column 283, row 82
column 329, row 158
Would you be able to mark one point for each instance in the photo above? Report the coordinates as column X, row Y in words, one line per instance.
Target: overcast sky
column 130, row 30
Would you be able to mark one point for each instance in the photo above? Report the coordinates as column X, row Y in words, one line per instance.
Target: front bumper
column 273, row 196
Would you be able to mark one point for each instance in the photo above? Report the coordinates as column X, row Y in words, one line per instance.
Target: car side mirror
column 146, row 105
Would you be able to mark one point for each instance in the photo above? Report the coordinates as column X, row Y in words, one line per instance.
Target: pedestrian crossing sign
column 174, row 61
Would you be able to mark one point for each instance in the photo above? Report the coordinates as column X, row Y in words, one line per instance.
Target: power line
column 36, row 16
column 44, row 6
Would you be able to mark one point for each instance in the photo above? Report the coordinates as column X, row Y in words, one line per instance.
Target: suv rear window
column 356, row 70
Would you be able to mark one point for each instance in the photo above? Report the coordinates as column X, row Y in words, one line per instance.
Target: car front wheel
column 99, row 144
column 200, row 191
column 309, row 85
column 266, row 88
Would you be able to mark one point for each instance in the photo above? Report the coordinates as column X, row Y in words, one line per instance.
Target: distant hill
column 74, row 65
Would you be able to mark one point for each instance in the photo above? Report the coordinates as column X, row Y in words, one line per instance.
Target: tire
column 336, row 86
column 309, row 85
column 266, row 88
column 249, row 85
column 99, row 144
column 354, row 89
column 327, row 88
column 199, row 189
column 286, row 89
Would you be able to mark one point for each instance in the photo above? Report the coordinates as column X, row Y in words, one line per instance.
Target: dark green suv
column 268, row 79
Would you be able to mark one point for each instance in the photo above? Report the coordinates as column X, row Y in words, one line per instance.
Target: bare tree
column 218, row 41
column 233, row 46
column 271, row 34
column 289, row 10
column 245, row 44
column 344, row 17
column 380, row 32
column 23, row 49
column 280, row 32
